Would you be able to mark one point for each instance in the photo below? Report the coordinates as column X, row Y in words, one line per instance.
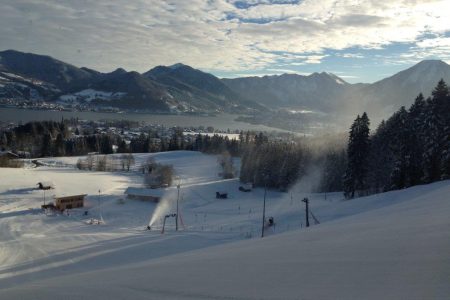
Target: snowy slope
column 89, row 95
column 388, row 246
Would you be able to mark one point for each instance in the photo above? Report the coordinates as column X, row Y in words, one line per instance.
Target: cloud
column 218, row 35
column 351, row 55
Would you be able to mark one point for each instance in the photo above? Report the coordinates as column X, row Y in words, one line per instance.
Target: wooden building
column 153, row 195
column 69, row 202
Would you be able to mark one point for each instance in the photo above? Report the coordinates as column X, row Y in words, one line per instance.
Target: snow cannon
column 165, row 218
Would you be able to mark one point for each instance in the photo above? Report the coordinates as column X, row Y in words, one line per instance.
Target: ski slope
column 388, row 246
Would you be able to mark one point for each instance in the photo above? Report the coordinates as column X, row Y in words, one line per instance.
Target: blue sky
column 360, row 41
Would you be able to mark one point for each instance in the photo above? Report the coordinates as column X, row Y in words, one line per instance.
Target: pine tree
column 46, row 145
column 401, row 145
column 59, row 147
column 435, row 133
column 415, row 121
column 355, row 178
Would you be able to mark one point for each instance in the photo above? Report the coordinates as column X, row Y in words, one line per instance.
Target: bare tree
column 129, row 160
column 101, row 163
column 160, row 175
column 90, row 162
column 226, row 162
column 148, row 166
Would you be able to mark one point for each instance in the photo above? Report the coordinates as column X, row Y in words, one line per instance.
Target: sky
column 360, row 41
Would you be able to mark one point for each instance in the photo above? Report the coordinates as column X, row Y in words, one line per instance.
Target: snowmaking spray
column 163, row 208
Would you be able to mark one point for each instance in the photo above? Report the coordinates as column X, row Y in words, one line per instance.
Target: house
column 24, row 154
column 221, row 195
column 69, row 202
column 246, row 187
column 144, row 194
column 8, row 155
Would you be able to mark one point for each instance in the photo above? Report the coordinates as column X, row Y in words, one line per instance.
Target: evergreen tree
column 435, row 132
column 46, row 145
column 355, row 178
column 59, row 146
column 415, row 122
column 381, row 159
column 333, row 170
column 105, row 144
column 401, row 144
column 122, row 148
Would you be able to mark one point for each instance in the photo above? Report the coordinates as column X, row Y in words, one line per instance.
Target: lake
column 222, row 121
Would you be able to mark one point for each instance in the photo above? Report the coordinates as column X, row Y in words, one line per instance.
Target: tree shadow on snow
column 19, row 191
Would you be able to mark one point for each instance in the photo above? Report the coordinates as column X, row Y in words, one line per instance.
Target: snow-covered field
column 388, row 246
column 89, row 95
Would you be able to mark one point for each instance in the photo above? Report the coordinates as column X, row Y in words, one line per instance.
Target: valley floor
column 388, row 246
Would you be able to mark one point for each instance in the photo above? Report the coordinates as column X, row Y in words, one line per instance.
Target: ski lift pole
column 307, row 210
column 178, row 199
column 164, row 224
column 264, row 211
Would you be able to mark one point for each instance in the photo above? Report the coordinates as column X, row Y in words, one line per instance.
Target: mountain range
column 181, row 88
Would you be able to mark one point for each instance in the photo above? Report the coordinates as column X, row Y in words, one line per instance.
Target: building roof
column 8, row 153
column 135, row 191
column 71, row 196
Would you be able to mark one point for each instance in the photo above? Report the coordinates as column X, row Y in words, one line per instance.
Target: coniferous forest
column 409, row 148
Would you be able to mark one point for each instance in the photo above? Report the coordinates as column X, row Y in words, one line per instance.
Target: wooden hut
column 69, row 202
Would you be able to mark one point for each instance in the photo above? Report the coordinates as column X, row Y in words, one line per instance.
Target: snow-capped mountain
column 318, row 91
column 328, row 93
column 43, row 68
column 203, row 88
column 34, row 77
column 16, row 86
column 181, row 88
column 387, row 95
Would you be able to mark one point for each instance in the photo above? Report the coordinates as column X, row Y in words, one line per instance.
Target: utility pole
column 264, row 211
column 178, row 199
column 307, row 211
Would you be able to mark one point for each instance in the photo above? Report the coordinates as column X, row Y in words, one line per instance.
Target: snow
column 144, row 192
column 338, row 81
column 231, row 136
column 90, row 95
column 4, row 78
column 13, row 75
column 386, row 246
